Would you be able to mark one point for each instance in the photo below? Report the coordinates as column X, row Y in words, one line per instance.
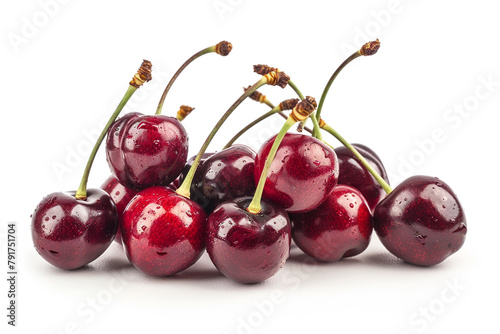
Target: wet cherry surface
column 223, row 176
column 144, row 151
column 245, row 247
column 354, row 174
column 71, row 233
column 121, row 195
column 163, row 232
column 340, row 227
column 421, row 221
column 302, row 175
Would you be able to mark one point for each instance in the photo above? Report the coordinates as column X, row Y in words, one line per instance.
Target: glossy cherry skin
column 163, row 232
column 144, row 151
column 421, row 221
column 302, row 175
column 121, row 195
column 70, row 233
column 248, row 248
column 354, row 174
column 178, row 181
column 223, row 176
column 340, row 227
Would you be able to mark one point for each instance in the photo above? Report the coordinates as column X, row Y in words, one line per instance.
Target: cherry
column 302, row 175
column 354, row 174
column 421, row 221
column 121, row 196
column 163, row 232
column 340, row 227
column 70, row 233
column 177, row 183
column 223, row 176
column 245, row 247
column 72, row 229
column 144, row 151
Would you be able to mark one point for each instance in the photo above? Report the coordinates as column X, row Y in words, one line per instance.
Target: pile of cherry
column 243, row 207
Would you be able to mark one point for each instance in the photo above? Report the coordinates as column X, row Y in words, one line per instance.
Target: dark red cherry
column 163, row 232
column 144, row 151
column 177, row 183
column 421, row 221
column 121, row 195
column 354, row 174
column 302, row 175
column 71, row 233
column 245, row 247
column 340, row 227
column 223, row 176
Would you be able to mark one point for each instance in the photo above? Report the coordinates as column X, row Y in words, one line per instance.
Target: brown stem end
column 183, row 112
column 256, row 96
column 264, row 69
column 370, row 48
column 223, row 48
column 288, row 104
column 279, row 79
column 303, row 109
column 143, row 74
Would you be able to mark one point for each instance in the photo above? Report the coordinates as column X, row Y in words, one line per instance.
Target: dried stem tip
column 321, row 123
column 288, row 104
column 277, row 79
column 223, row 48
column 370, row 48
column 264, row 69
column 143, row 74
column 256, row 96
column 303, row 109
column 183, row 112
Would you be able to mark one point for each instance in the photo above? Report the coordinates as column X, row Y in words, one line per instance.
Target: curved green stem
column 332, row 78
column 316, row 130
column 387, row 188
column 184, row 189
column 250, row 125
column 296, row 90
column 255, row 206
column 81, row 193
column 186, row 63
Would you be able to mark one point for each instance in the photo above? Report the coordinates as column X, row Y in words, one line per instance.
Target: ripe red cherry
column 121, row 195
column 421, row 221
column 163, row 232
column 340, row 227
column 245, row 247
column 354, row 174
column 302, row 175
column 70, row 233
column 223, row 176
column 178, row 181
column 144, row 151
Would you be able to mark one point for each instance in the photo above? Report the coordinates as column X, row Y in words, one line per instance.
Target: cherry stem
column 316, row 130
column 179, row 71
column 387, row 188
column 255, row 206
column 332, row 78
column 184, row 189
column 81, row 193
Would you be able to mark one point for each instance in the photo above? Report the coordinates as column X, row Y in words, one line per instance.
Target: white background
column 61, row 79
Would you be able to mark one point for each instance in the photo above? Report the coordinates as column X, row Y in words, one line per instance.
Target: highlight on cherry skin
column 246, row 247
column 302, row 175
column 340, row 227
column 70, row 233
column 421, row 221
column 121, row 196
column 163, row 232
column 353, row 173
column 224, row 175
column 146, row 150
